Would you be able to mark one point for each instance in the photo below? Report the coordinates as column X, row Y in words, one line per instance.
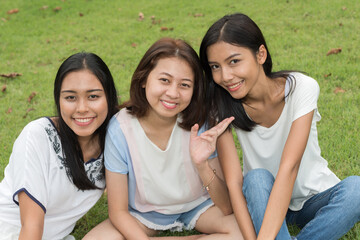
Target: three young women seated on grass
column 154, row 180
column 55, row 172
column 286, row 179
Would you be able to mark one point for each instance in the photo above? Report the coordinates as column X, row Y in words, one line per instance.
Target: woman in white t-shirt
column 160, row 174
column 275, row 121
column 55, row 172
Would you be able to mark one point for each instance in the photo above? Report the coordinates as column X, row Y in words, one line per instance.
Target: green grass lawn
column 35, row 40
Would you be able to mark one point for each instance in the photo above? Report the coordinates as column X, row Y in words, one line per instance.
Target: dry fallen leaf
column 327, row 75
column 12, row 11
column 10, row 75
column 344, row 8
column 198, row 15
column 141, row 16
column 339, row 90
column 166, row 29
column 3, row 89
column 32, row 95
column 57, row 9
column 133, row 44
column 81, row 14
column 9, row 110
column 44, row 7
column 3, row 19
column 333, row 51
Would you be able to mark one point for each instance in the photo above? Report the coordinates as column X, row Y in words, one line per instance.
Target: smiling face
column 235, row 68
column 169, row 88
column 83, row 103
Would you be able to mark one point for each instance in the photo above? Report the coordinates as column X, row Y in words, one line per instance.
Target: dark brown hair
column 167, row 48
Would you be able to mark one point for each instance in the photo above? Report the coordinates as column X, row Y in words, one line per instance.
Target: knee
column 232, row 228
column 351, row 189
column 258, row 179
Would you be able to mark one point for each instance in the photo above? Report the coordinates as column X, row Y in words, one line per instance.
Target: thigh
column 310, row 208
column 105, row 230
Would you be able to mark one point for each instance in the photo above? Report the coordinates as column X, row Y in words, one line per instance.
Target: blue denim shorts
column 172, row 222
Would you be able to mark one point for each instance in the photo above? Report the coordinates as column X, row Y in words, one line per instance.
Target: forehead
column 174, row 66
column 81, row 80
column 222, row 50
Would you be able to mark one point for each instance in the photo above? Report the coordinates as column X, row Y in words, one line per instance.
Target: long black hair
column 236, row 29
column 73, row 157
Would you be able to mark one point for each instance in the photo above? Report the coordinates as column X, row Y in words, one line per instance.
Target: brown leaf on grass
column 44, row 7
column 344, row 8
column 154, row 22
column 81, row 14
column 133, row 45
column 339, row 90
column 333, row 51
column 12, row 11
column 56, row 9
column 141, row 16
column 152, row 17
column 9, row 110
column 10, row 75
column 198, row 15
column 166, row 29
column 32, row 95
column 341, row 24
column 3, row 89
column 3, row 19
column 327, row 75
column 27, row 111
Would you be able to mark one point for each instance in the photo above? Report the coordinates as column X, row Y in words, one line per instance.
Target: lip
column 234, row 87
column 84, row 121
column 168, row 105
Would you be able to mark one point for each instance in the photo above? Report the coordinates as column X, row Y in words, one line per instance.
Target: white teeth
column 83, row 120
column 169, row 104
column 234, row 86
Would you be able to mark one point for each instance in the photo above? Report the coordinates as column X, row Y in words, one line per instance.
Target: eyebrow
column 88, row 91
column 168, row 74
column 229, row 57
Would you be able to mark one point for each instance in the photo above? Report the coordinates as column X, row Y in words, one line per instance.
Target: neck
column 89, row 146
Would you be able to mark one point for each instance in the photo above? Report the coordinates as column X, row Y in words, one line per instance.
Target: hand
column 202, row 146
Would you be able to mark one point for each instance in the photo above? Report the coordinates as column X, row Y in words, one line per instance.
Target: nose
column 82, row 106
column 227, row 74
column 172, row 91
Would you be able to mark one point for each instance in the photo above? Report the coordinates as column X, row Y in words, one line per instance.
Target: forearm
column 278, row 204
column 127, row 226
column 216, row 188
column 241, row 212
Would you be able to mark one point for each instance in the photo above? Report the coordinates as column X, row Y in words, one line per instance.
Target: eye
column 165, row 80
column 185, row 85
column 234, row 61
column 93, row 97
column 70, row 98
column 214, row 67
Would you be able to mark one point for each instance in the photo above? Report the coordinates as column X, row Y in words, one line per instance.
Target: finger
column 194, row 130
column 220, row 128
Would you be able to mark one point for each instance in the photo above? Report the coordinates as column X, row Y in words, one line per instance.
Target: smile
column 83, row 121
column 235, row 86
column 168, row 105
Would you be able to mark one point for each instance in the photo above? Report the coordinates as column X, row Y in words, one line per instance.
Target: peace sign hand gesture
column 202, row 146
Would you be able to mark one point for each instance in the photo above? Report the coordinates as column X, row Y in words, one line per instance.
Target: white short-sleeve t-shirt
column 263, row 147
column 36, row 167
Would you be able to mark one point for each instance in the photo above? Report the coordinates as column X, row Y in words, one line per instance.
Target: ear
column 261, row 54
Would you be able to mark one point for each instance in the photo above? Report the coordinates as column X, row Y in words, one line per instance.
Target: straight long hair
column 239, row 30
column 73, row 157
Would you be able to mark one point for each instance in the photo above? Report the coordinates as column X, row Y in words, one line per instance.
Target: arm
column 32, row 218
column 234, row 179
column 201, row 147
column 117, row 191
column 280, row 195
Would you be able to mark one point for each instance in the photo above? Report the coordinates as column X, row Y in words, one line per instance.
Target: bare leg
column 218, row 226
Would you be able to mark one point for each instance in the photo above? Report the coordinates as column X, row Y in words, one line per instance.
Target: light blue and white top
column 164, row 181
